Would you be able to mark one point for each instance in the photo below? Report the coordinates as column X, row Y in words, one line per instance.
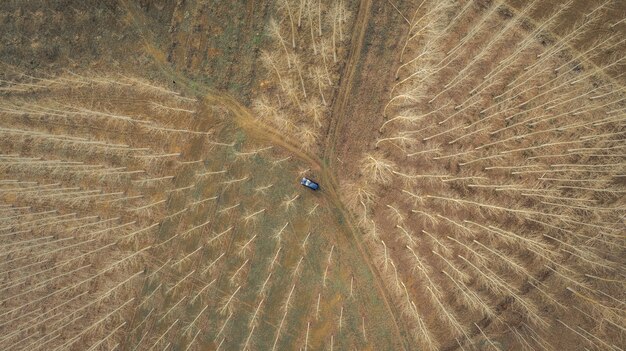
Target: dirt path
column 331, row 192
column 347, row 78
column 329, row 156
column 334, row 131
column 256, row 130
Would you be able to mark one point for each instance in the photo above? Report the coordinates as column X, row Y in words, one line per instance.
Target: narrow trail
column 345, row 85
column 244, row 118
column 334, row 131
column 256, row 130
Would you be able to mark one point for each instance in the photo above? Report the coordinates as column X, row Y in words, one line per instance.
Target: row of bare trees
column 74, row 248
column 495, row 188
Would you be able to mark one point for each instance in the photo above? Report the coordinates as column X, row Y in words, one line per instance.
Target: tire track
column 337, row 119
column 345, row 85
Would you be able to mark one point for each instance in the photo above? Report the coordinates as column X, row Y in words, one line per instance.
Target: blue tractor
column 309, row 184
